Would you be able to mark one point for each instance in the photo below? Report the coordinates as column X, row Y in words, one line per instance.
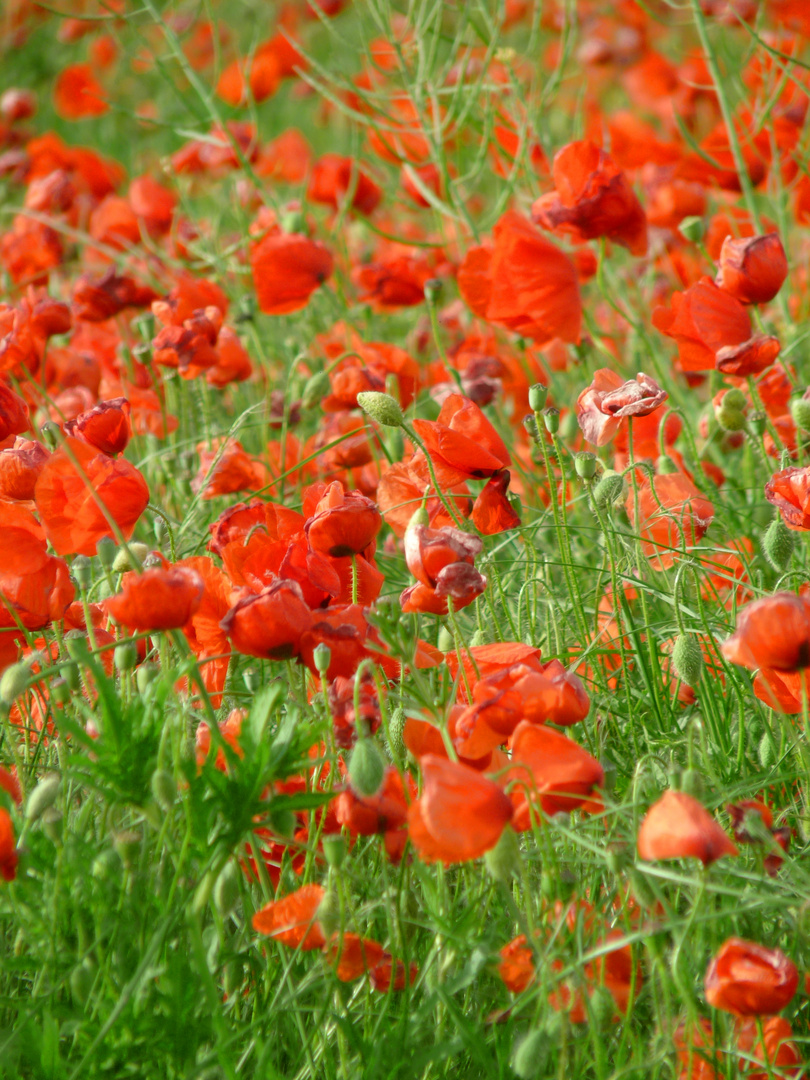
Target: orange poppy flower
column 269, row 624
column 394, row 281
column 334, row 176
column 789, row 492
column 353, row 956
column 35, row 587
column 754, row 269
column 683, row 521
column 344, row 522
column 678, row 827
column 462, row 442
column 523, row 283
column 696, row 1050
column 772, row 633
column 8, row 851
column 287, row 158
column 292, row 921
column 78, row 93
column 69, row 498
column 703, row 320
column 593, row 198
column 492, row 512
column 13, row 413
column 516, row 967
column 161, row 598
column 608, row 400
column 287, row 268
column 773, row 1048
column 390, row 974
column 747, row 979
column 549, row 770
column 152, row 203
column 106, row 426
column 190, row 347
column 460, row 814
column 370, row 815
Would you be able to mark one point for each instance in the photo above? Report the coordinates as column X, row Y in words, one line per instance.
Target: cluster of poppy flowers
column 92, row 336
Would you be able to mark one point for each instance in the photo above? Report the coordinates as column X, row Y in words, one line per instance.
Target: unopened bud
column 145, row 676
column 76, row 646
column 419, row 517
column 128, row 846
column 529, row 1057
column 729, row 419
column 82, row 571
column 14, row 682
column 60, row 691
column 322, row 656
column 366, row 768
column 315, row 389
column 767, row 751
column 328, row 913
column 778, row 543
column 692, row 783
column 602, row 1006
column 164, row 789
column 226, row 890
column 81, row 982
column 665, row 466
column 42, row 797
column 800, row 411
column 444, row 641
column 687, row 659
column 383, row 408
column 252, row 679
column 125, row 656
column 107, row 549
column 538, row 395
column 396, row 727
column 585, row 464
column 51, row 435
column 692, row 229
column 71, row 676
column 504, row 861
column 130, row 557
column 608, row 490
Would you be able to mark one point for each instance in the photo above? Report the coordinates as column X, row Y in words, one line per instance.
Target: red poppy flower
column 153, row 203
column 78, row 93
column 608, row 400
column 673, row 515
column 380, row 813
column 428, row 552
column 549, row 770
column 749, row 980
column 8, row 850
column 344, row 522
column 353, row 956
column 789, row 492
column 753, row 269
column 492, row 512
column 390, row 974
column 206, row 638
column 13, row 413
column 292, row 920
column 462, row 442
column 703, row 320
column 460, row 814
column 333, row 177
column 161, row 598
column 593, row 198
column 287, row 269
column 678, row 827
column 773, row 1048
column 516, row 967
column 772, row 633
column 697, row 1051
column 106, row 426
column 523, row 283
column 98, row 298
column 70, row 498
column 269, row 624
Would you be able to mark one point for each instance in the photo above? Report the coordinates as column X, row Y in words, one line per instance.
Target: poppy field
column 404, row 579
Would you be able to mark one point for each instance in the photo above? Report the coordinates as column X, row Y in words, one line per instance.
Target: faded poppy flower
column 772, row 633
column 523, row 283
column 269, row 624
column 287, row 268
column 773, row 1048
column 673, row 515
column 344, row 522
column 747, row 979
column 549, row 770
column 106, row 426
column 8, row 850
column 292, row 921
column 678, row 827
column 753, row 269
column 161, row 598
column 789, row 492
column 430, row 551
column 13, row 413
column 608, row 400
column 593, row 199
column 742, row 814
column 75, row 501
column 460, row 814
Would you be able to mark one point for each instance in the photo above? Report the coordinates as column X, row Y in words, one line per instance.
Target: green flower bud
column 585, row 464
column 729, row 419
column 328, row 913
column 778, row 543
column 800, row 411
column 81, row 982
column 315, row 389
column 284, row 821
column 106, row 550
column 128, row 846
column 419, row 517
column 366, row 768
column 42, row 797
column 334, row 850
column 609, row 489
column 767, row 751
column 76, row 646
column 530, row 424
column 145, row 675
column 692, row 229
column 164, row 789
column 381, row 407
column 125, row 656
column 51, row 435
column 52, row 822
column 445, row 640
column 322, row 655
column 396, row 727
column 82, row 571
column 106, row 865
column 687, row 659
column 665, row 466
column 252, row 679
column 130, row 557
column 551, row 418
column 692, row 783
column 60, row 691
column 529, row 1056
column 226, row 890
column 292, row 221
column 14, row 681
column 504, row 860
column 538, row 395
column 71, row 676
column 735, row 399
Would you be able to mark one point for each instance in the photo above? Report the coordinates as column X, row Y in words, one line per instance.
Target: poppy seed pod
column 538, row 395
column 585, row 465
column 381, row 407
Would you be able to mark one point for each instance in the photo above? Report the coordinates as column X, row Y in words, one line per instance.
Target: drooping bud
column 608, row 490
column 692, row 783
column 687, row 659
column 42, row 797
column 366, row 768
column 396, row 727
column 538, row 395
column 315, row 389
column 692, row 229
column 128, row 845
column 383, row 408
column 800, row 411
column 778, row 543
column 130, row 557
column 444, row 641
column 252, row 679
column 665, row 466
column 51, row 435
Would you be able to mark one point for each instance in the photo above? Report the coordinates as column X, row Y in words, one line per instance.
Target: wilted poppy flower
column 789, row 492
column 772, row 1047
column 459, row 582
column 13, row 413
column 523, row 283
column 772, row 633
column 8, row 850
column 269, row 624
column 673, row 515
column 161, row 598
column 429, row 551
column 549, row 770
column 753, row 269
column 460, row 814
column 344, row 522
column 292, row 921
column 72, row 499
column 749, row 980
column 752, row 357
column 287, row 268
column 743, row 813
column 608, row 400
column 593, row 198
column 678, row 827
column 106, row 426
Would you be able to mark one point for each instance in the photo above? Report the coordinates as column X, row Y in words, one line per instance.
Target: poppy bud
column 585, row 464
column 130, row 557
column 226, row 890
column 42, row 797
column 433, row 289
column 128, row 846
column 107, row 549
column 316, row 388
column 125, row 656
column 334, row 849
column 105, row 865
column 145, row 676
column 284, row 822
column 60, row 691
column 72, row 677
column 608, row 490
column 51, row 435
column 396, row 727
column 687, row 659
column 328, row 913
column 551, row 418
column 665, row 466
column 444, row 642
column 381, row 407
column 529, row 1058
column 164, row 789
column 767, row 751
column 800, row 411
column 729, row 411
column 538, row 395
column 322, row 657
column 14, row 682
column 691, row 228
column 82, row 572
column 778, row 543
column 366, row 768
column 419, row 517
column 81, row 981
column 252, row 679
column 503, row 861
